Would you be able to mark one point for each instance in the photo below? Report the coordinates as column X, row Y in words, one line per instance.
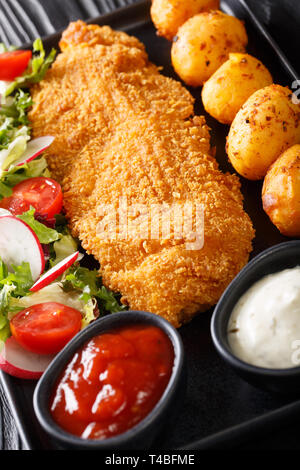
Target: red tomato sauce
column 113, row 382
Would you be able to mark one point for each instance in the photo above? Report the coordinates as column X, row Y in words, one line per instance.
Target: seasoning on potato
column 169, row 15
column 266, row 125
column 281, row 192
column 232, row 84
column 203, row 44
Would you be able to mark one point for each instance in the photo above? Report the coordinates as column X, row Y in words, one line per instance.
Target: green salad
column 35, row 237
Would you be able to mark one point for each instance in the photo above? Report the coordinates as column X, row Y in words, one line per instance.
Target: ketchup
column 113, row 382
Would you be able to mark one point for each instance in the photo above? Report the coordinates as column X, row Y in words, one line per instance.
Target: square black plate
column 220, row 410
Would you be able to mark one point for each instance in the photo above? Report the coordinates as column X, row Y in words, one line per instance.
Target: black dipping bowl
column 142, row 435
column 272, row 260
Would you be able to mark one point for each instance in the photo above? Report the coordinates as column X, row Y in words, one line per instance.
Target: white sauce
column 264, row 327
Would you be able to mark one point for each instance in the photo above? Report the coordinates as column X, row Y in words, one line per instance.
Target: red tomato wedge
column 13, row 64
column 44, row 194
column 45, row 328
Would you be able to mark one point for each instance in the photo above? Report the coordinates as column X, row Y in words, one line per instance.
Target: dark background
column 43, row 17
column 23, row 20
column 282, row 17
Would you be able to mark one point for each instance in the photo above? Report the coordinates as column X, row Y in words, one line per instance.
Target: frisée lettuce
column 55, row 291
column 14, row 104
column 88, row 283
column 14, row 130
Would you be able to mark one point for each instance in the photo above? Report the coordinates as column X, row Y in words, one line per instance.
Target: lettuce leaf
column 13, row 152
column 21, row 279
column 9, row 132
column 109, row 300
column 4, row 333
column 83, row 280
column 12, row 285
column 5, row 191
column 5, row 296
column 4, row 48
column 88, row 283
column 61, row 224
column 17, row 107
column 45, row 234
column 16, row 174
column 63, row 248
column 14, row 127
column 3, row 270
column 90, row 312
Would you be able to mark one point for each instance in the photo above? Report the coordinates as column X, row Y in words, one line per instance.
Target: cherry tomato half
column 44, row 194
column 13, row 64
column 45, row 328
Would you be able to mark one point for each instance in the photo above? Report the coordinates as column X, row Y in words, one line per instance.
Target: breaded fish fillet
column 123, row 130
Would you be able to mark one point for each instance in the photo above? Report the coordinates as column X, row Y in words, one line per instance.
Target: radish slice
column 18, row 244
column 55, row 272
column 34, row 148
column 4, row 212
column 21, row 363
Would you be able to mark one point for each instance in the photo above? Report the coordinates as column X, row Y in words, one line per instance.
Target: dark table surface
column 23, row 20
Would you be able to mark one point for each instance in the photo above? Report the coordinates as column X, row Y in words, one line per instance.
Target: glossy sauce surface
column 264, row 327
column 113, row 382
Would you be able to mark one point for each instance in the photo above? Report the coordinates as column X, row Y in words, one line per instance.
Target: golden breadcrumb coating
column 124, row 130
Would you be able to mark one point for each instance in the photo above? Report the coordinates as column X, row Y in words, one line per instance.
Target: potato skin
column 281, row 192
column 232, row 84
column 169, row 15
column 203, row 44
column 266, row 125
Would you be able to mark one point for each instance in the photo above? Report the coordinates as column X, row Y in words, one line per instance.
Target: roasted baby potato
column 281, row 192
column 231, row 85
column 168, row 15
column 203, row 44
column 266, row 125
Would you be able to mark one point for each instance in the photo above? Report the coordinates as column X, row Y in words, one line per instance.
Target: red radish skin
column 34, row 148
column 13, row 232
column 55, row 272
column 16, row 361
